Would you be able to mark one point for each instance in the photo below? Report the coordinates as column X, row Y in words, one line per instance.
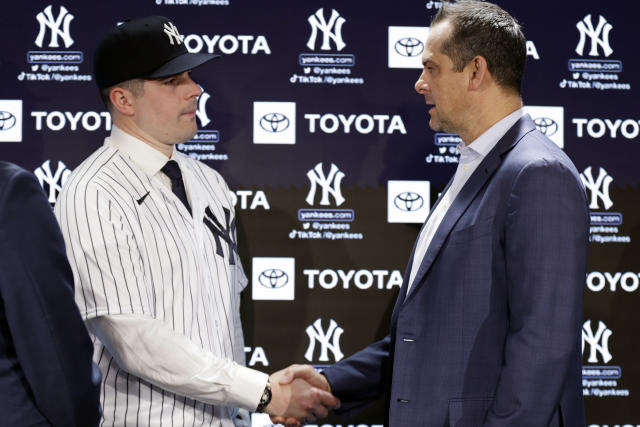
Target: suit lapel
column 468, row 192
column 407, row 272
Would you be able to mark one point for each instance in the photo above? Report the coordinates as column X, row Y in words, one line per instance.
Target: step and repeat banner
column 311, row 117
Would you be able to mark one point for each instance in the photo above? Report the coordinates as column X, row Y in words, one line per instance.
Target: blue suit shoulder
column 47, row 376
column 535, row 149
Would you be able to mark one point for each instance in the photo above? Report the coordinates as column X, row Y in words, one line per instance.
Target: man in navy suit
column 47, row 377
column 486, row 328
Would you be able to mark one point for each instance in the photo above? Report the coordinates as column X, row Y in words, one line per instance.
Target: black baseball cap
column 149, row 47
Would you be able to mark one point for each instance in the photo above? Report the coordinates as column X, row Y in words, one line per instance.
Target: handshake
column 300, row 395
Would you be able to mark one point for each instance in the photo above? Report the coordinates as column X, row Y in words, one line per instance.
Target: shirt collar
column 467, row 153
column 485, row 142
column 142, row 154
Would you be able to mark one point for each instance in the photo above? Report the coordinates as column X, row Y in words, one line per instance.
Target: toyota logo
column 274, row 122
column 273, row 278
column 408, row 201
column 546, row 125
column 7, row 120
column 409, row 46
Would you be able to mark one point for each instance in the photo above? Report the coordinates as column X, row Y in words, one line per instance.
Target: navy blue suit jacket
column 489, row 334
column 46, row 373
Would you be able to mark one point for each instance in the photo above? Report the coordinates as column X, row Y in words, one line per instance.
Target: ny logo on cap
column 172, row 32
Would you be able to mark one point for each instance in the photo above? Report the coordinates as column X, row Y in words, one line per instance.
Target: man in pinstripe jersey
column 151, row 240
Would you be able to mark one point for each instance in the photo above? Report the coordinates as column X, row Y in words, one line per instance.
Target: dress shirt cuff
column 247, row 387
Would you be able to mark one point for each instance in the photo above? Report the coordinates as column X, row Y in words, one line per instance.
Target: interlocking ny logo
column 331, row 30
column 172, row 32
column 226, row 232
column 54, row 182
column 330, row 185
column 59, row 27
column 329, row 340
column 599, row 188
column 599, row 36
column 201, row 112
column 598, row 342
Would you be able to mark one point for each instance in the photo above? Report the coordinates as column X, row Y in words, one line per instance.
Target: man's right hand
column 299, row 395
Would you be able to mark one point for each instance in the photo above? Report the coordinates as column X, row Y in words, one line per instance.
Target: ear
column 123, row 100
column 478, row 72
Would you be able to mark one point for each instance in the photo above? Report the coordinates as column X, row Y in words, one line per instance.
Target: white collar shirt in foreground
column 160, row 287
column 471, row 156
column 144, row 156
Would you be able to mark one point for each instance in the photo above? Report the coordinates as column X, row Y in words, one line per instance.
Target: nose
column 421, row 86
column 194, row 89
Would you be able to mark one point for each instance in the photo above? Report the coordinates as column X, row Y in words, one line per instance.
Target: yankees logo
column 225, row 232
column 172, row 32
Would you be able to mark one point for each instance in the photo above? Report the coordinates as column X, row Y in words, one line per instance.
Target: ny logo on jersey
column 201, row 112
column 330, row 185
column 172, row 32
column 329, row 340
column 598, row 188
column 226, row 233
column 59, row 27
column 331, row 30
column 598, row 342
column 54, row 182
column 599, row 36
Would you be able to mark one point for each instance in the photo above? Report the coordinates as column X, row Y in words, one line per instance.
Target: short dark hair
column 484, row 29
column 135, row 86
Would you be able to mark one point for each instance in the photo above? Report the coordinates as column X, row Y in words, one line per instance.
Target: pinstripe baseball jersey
column 135, row 249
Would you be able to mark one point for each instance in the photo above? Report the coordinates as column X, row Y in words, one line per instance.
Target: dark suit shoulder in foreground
column 46, row 373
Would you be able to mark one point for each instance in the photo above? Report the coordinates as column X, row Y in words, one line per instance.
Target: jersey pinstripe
column 135, row 249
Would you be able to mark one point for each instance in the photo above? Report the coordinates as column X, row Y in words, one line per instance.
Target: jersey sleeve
column 103, row 252
column 149, row 349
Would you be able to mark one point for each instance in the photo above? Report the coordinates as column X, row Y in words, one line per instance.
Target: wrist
column 326, row 382
column 265, row 399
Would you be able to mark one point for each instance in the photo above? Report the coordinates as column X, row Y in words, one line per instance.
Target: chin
column 187, row 136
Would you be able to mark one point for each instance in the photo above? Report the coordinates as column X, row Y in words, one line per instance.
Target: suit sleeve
column 51, row 342
column 360, row 379
column 546, row 239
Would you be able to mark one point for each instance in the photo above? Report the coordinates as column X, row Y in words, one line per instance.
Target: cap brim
column 182, row 63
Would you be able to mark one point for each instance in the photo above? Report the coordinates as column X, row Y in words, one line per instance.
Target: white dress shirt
column 471, row 155
column 157, row 288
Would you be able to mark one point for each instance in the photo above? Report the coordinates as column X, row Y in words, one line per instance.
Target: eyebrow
column 427, row 61
column 171, row 76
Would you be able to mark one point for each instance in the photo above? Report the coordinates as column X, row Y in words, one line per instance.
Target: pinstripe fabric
column 135, row 249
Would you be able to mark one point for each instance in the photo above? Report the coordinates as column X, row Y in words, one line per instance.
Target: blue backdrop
column 312, row 118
